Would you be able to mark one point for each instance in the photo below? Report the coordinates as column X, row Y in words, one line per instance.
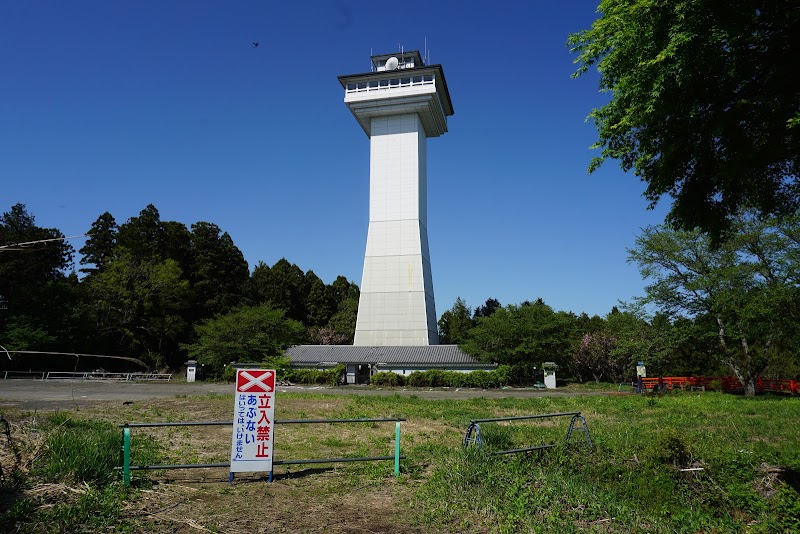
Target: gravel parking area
column 55, row 394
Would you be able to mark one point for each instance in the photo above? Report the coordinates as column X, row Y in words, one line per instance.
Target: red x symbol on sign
column 255, row 381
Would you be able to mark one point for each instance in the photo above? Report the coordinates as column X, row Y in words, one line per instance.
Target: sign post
column 253, row 418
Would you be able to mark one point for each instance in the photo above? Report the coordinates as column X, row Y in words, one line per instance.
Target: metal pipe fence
column 474, row 435
column 8, row 375
column 91, row 375
column 126, row 467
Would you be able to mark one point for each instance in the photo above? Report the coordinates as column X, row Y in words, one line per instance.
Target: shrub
column 503, row 373
column 437, row 378
column 306, row 376
column 228, row 373
column 669, row 448
column 331, row 377
column 387, row 378
column 418, row 379
column 474, row 379
column 281, row 364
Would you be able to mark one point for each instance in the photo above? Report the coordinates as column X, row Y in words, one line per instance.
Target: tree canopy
column 146, row 285
column 34, row 283
column 729, row 308
column 455, row 323
column 746, row 291
column 529, row 332
column 247, row 334
column 705, row 103
column 99, row 248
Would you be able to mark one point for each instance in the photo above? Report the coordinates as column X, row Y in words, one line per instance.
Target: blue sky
column 110, row 106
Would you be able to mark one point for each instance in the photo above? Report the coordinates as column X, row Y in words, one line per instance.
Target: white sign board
column 641, row 370
column 253, row 418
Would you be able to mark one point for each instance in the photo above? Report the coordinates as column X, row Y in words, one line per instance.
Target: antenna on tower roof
column 371, row 64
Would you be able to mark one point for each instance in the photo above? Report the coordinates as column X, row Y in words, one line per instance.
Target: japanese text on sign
column 253, row 417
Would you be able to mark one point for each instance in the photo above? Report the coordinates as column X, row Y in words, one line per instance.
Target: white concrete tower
column 399, row 104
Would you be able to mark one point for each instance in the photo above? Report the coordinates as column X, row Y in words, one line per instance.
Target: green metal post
column 126, row 457
column 397, row 449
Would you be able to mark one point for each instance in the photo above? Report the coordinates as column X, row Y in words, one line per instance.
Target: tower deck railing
column 391, row 83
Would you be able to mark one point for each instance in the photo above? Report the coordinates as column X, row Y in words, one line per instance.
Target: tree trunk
column 743, row 371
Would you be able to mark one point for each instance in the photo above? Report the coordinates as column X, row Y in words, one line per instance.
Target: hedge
column 387, row 378
column 331, row 377
column 437, row 378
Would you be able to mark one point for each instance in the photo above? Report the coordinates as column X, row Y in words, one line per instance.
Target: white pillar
column 397, row 304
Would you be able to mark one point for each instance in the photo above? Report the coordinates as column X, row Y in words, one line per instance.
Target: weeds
column 72, row 484
column 79, row 451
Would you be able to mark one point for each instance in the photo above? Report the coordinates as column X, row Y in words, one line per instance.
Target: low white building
column 364, row 361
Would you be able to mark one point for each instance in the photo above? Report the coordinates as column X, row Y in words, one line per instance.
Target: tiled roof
column 434, row 355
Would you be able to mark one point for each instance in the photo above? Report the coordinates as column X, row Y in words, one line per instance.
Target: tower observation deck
column 399, row 104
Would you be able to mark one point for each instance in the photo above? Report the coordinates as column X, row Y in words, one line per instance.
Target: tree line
column 710, row 308
column 161, row 292
column 153, row 289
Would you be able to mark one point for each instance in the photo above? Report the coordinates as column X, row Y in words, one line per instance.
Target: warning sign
column 255, row 380
column 253, row 417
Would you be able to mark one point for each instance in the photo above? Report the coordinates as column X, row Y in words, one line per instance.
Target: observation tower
column 399, row 104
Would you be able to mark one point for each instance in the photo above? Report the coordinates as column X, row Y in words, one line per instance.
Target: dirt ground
column 191, row 504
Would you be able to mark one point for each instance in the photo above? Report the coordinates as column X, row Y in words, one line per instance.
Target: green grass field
column 685, row 462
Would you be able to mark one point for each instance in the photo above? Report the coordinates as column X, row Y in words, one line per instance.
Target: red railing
column 725, row 383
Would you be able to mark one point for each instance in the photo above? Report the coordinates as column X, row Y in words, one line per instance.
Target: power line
column 27, row 244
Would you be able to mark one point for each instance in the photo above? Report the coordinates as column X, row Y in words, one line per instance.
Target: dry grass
column 330, row 498
column 193, row 505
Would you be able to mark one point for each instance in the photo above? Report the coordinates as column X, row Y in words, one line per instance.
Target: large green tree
column 99, row 247
column 140, row 307
column 455, row 323
column 319, row 304
column 143, row 236
column 34, row 285
column 530, row 333
column 218, row 271
column 746, row 290
column 247, row 334
column 343, row 322
column 705, row 103
column 487, row 308
column 342, row 289
column 282, row 286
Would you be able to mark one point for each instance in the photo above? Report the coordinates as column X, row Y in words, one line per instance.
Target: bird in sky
column 255, row 44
